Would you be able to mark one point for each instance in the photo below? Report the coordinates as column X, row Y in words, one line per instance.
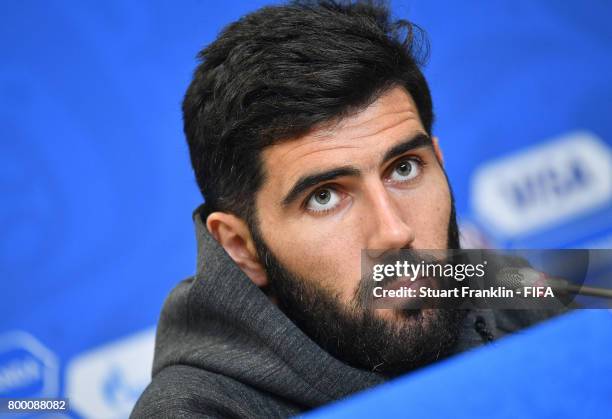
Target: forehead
column 359, row 140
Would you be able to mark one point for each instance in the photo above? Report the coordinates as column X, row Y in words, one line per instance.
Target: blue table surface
column 561, row 368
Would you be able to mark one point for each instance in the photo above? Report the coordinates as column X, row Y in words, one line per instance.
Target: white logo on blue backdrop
column 544, row 185
column 27, row 367
column 106, row 382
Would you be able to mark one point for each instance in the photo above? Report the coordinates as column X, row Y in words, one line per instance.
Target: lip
column 402, row 302
column 404, row 282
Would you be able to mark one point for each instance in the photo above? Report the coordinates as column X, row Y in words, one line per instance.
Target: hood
column 221, row 322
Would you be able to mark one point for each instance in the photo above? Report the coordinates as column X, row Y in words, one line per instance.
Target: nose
column 387, row 222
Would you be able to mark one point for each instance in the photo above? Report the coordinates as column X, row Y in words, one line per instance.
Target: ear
column 438, row 150
column 233, row 234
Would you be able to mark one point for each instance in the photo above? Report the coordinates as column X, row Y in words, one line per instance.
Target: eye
column 323, row 199
column 405, row 170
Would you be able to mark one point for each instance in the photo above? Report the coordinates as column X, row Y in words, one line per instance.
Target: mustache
column 364, row 294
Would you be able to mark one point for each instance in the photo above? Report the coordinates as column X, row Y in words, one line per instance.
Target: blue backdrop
column 97, row 190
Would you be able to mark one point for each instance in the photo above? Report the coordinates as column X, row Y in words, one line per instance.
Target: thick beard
column 355, row 334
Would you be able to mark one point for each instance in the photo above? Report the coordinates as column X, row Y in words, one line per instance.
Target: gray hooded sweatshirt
column 224, row 350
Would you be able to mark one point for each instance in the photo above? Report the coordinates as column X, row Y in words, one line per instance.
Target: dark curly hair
column 280, row 71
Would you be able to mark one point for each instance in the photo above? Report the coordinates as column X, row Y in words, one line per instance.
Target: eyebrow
column 308, row 181
column 418, row 141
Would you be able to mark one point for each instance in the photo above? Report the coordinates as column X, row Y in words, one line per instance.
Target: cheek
column 326, row 258
column 431, row 215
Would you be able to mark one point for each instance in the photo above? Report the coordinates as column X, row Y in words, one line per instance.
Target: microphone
column 515, row 278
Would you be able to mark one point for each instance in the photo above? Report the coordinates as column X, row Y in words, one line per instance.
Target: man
column 310, row 134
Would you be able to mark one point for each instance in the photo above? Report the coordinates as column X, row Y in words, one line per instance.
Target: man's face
column 384, row 200
column 371, row 181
